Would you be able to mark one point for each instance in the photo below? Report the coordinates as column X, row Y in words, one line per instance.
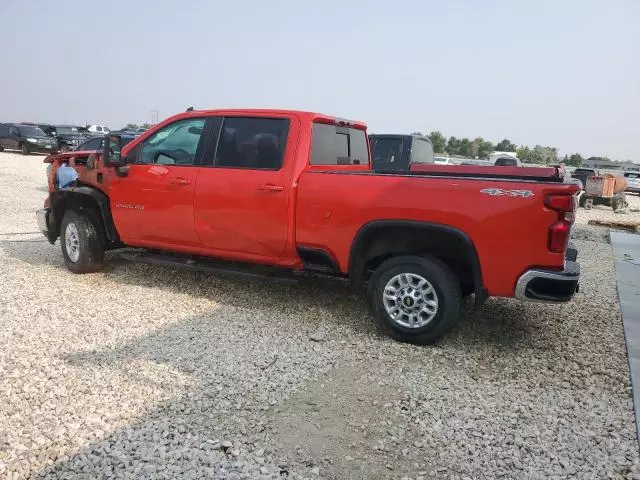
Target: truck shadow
column 501, row 323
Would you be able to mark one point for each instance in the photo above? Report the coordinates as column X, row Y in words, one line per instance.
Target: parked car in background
column 96, row 143
column 397, row 152
column 70, row 136
column 507, row 161
column 583, row 173
column 442, row 160
column 99, row 129
column 83, row 152
column 633, row 182
column 25, row 138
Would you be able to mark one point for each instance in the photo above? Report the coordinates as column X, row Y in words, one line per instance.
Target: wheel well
column 64, row 200
column 376, row 243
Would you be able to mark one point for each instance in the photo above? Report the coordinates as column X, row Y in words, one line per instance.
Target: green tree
column 574, row 160
column 146, row 126
column 465, row 147
column 524, row 154
column 544, row 155
column 453, row 146
column 131, row 126
column 438, row 141
column 506, row 146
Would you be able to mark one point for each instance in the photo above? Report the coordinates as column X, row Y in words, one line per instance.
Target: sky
column 557, row 73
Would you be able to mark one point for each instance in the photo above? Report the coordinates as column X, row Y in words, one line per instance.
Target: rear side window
column 252, row 143
column 331, row 145
column 632, row 175
column 421, row 151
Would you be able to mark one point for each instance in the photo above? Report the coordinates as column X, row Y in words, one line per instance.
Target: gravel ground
column 147, row 372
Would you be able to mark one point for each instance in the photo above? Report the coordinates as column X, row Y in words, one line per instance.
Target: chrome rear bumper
column 551, row 286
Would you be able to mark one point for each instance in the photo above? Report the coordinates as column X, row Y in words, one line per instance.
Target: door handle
column 269, row 187
column 180, row 181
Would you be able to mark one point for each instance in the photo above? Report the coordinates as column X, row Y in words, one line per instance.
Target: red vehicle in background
column 286, row 193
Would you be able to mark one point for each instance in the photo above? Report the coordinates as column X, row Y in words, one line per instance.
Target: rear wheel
column 82, row 247
column 24, row 148
column 1, row 148
column 415, row 299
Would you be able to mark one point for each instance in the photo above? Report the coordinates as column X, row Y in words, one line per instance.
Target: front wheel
column 24, row 148
column 415, row 299
column 82, row 247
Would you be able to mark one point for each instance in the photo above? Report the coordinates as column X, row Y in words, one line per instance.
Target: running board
column 207, row 265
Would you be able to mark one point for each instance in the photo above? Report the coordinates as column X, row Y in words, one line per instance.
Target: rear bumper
column 551, row 286
column 42, row 148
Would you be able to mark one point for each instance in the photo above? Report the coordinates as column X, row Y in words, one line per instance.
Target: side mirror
column 111, row 150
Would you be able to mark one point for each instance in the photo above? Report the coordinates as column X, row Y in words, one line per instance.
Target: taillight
column 559, row 232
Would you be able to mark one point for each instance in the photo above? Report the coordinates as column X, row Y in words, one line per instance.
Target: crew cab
column 286, row 193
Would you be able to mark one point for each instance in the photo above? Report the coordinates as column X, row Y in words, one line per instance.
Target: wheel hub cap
column 72, row 242
column 410, row 300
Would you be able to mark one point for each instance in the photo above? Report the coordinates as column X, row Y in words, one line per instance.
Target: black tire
column 618, row 203
column 24, row 148
column 63, row 148
column 443, row 281
column 90, row 256
column 1, row 148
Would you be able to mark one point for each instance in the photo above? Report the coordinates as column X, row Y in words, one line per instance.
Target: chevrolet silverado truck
column 287, row 193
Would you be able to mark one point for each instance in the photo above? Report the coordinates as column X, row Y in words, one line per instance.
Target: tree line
column 481, row 148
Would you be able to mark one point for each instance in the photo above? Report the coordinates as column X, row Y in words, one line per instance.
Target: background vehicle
column 493, row 156
column 507, row 161
column 284, row 193
column 633, row 182
column 442, row 161
column 26, row 138
column 582, row 174
column 397, row 152
column 69, row 136
column 99, row 129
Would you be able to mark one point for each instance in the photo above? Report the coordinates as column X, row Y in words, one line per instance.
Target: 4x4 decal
column 512, row 193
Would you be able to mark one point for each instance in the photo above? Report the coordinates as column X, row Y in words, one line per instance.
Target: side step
column 209, row 265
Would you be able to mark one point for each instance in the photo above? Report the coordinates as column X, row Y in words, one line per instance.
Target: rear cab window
column 387, row 153
column 421, row 151
column 338, row 145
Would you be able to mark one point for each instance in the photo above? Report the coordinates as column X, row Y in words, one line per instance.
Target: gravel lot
column 147, row 372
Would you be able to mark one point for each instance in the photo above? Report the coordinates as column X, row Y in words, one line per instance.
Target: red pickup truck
column 285, row 193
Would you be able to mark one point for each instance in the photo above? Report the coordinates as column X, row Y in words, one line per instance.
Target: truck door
column 242, row 197
column 153, row 204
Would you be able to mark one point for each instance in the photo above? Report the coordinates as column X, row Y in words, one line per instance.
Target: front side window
column 175, row 144
column 331, row 145
column 253, row 143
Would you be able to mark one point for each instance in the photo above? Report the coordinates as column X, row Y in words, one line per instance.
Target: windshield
column 29, row 131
